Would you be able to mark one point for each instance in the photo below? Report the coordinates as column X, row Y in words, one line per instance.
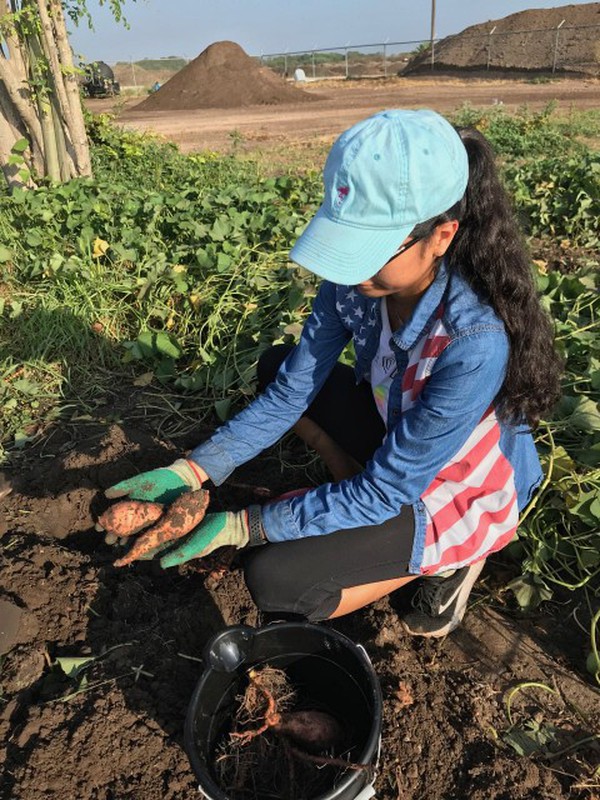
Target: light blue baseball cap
column 382, row 177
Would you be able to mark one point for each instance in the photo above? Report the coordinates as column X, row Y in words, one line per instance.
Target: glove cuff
column 255, row 529
column 183, row 470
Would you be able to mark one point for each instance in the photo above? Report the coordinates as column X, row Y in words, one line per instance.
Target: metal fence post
column 133, row 71
column 556, row 46
column 346, row 60
column 489, row 52
column 385, row 59
column 432, row 37
column 314, row 70
column 285, row 66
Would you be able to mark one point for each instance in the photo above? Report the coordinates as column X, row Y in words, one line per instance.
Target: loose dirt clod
column 181, row 518
column 222, row 76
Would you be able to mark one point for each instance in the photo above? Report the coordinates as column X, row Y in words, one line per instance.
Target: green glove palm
column 222, row 529
column 161, row 485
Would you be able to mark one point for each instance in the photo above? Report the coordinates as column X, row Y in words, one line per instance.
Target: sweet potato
column 129, row 517
column 314, row 731
column 181, row 517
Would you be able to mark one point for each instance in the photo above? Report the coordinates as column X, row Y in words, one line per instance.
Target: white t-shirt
column 383, row 366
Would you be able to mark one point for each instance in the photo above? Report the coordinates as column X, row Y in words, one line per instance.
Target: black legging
column 305, row 577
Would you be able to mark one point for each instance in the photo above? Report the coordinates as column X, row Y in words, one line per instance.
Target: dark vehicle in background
column 99, row 80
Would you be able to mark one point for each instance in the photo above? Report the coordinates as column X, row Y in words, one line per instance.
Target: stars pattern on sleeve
column 358, row 313
column 350, row 307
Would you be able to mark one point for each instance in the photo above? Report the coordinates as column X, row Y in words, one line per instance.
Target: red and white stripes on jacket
column 471, row 504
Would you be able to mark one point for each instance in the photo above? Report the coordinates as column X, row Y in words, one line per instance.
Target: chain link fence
column 373, row 60
column 562, row 49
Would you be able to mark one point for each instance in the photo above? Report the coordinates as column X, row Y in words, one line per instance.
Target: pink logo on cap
column 342, row 194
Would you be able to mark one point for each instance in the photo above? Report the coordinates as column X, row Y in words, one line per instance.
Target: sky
column 160, row 28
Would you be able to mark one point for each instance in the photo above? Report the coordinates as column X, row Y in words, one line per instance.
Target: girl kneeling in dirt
column 428, row 436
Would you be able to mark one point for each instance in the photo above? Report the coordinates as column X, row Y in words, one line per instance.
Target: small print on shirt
column 383, row 366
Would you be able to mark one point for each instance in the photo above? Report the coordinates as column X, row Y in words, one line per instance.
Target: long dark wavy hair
column 489, row 251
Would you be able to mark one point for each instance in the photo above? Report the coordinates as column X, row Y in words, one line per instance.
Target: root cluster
column 276, row 750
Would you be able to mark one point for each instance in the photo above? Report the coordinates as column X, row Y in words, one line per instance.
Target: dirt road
column 343, row 103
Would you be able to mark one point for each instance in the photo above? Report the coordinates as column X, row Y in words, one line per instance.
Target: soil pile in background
column 525, row 41
column 222, row 76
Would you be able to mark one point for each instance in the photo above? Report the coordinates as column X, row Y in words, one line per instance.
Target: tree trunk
column 19, row 96
column 76, row 123
column 18, row 131
column 35, row 52
column 66, row 163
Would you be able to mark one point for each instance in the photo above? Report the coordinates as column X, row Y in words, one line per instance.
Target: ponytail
column 488, row 251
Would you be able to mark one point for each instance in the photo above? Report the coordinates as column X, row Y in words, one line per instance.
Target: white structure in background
column 299, row 75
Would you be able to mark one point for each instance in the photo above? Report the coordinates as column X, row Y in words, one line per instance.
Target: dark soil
column 117, row 735
column 525, row 41
column 222, row 76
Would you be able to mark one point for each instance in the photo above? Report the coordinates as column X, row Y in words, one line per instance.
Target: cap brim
column 343, row 253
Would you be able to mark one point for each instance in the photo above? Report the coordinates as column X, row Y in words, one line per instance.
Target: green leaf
column 72, row 666
column 563, row 463
column 220, row 230
column 222, row 408
column 20, row 146
column 580, row 412
column 168, row 345
column 529, row 591
column 592, row 664
column 152, row 343
column 531, row 738
column 223, row 262
column 21, row 439
column 34, row 238
column 5, row 254
column 590, row 456
column 203, row 258
column 585, row 415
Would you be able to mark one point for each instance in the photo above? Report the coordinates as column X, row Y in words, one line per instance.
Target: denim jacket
column 456, row 388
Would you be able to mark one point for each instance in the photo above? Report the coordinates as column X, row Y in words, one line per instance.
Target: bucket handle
column 229, row 649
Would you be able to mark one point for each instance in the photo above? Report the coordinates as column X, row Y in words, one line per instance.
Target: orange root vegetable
column 129, row 517
column 181, row 518
column 314, row 731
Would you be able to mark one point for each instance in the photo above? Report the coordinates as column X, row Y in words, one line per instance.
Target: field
column 306, row 127
column 132, row 311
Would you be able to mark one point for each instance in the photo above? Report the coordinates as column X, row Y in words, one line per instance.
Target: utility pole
column 432, row 37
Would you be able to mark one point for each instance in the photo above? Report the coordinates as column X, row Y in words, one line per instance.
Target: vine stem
column 546, row 481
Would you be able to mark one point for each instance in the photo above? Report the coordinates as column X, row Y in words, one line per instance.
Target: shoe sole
column 461, row 603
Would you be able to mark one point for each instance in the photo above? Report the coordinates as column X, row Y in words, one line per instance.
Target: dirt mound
column 526, row 41
column 222, row 76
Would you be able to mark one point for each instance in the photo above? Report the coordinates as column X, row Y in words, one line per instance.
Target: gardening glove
column 161, row 485
column 226, row 528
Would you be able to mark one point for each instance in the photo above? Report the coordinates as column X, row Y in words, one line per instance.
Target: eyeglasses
column 403, row 248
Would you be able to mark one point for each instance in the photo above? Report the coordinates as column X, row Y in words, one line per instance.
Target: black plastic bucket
column 337, row 672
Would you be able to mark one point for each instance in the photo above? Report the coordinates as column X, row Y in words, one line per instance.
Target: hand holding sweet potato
column 129, row 517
